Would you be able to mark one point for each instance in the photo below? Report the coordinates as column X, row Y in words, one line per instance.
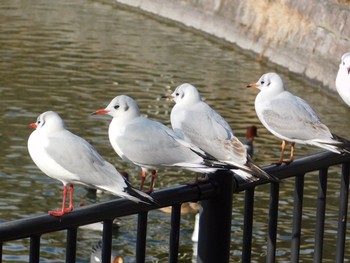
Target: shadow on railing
column 215, row 218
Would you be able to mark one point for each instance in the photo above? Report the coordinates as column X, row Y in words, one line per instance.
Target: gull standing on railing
column 291, row 118
column 195, row 121
column 70, row 159
column 150, row 144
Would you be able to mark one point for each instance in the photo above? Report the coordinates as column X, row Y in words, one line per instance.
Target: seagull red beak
column 167, row 96
column 33, row 125
column 100, row 112
column 252, row 85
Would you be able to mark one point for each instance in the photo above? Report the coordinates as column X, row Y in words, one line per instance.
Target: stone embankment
column 307, row 37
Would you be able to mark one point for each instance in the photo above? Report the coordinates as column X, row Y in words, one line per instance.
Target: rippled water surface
column 73, row 57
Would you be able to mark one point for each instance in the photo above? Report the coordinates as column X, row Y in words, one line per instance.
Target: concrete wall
column 306, row 36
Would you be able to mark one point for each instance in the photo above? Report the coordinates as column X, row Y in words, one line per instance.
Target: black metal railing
column 215, row 220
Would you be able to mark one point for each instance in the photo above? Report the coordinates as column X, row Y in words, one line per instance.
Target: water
column 73, row 57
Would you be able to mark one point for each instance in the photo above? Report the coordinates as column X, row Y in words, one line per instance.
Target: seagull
column 70, row 159
column 291, row 118
column 196, row 122
column 150, row 144
column 342, row 81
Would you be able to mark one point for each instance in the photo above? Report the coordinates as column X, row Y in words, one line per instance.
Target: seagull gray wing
column 82, row 160
column 293, row 118
column 149, row 143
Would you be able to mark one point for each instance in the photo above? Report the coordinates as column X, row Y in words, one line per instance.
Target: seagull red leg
column 283, row 147
column 291, row 158
column 143, row 178
column 60, row 212
column 71, row 205
column 153, row 174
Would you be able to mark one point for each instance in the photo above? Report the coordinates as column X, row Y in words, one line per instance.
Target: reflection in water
column 74, row 56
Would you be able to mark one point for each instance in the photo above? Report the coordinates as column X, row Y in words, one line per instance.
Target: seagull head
column 49, row 121
column 120, row 106
column 270, row 82
column 185, row 93
column 345, row 63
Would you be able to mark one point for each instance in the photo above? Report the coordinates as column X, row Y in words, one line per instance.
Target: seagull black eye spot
column 116, row 107
column 262, row 82
column 177, row 94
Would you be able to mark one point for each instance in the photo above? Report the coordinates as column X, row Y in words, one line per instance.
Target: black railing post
column 273, row 219
column 297, row 217
column 174, row 233
column 320, row 214
column 34, row 253
column 71, row 246
column 141, row 237
column 215, row 221
column 248, row 224
column 343, row 212
column 107, row 241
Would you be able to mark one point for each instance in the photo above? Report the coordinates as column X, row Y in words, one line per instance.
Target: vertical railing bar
column 107, row 241
column 174, row 233
column 273, row 218
column 343, row 210
column 1, row 247
column 141, row 237
column 297, row 217
column 320, row 214
column 248, row 224
column 215, row 221
column 71, row 246
column 34, row 253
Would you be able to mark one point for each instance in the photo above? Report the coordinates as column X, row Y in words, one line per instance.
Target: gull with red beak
column 342, row 81
column 150, row 144
column 70, row 159
column 291, row 118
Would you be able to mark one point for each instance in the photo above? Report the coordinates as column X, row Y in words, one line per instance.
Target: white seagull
column 195, row 121
column 70, row 159
column 291, row 118
column 150, row 144
column 342, row 81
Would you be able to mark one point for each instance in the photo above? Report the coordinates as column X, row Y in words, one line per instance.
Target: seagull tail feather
column 341, row 145
column 257, row 171
column 137, row 196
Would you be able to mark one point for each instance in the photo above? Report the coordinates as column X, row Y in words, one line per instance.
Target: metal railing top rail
column 38, row 225
column 300, row 166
